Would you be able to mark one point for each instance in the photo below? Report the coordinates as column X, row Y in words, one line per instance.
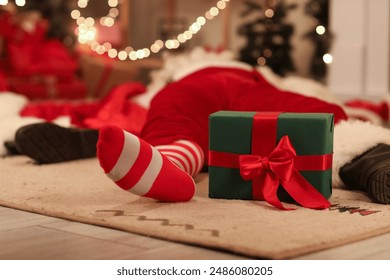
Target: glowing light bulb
column 194, row 28
column 327, row 58
column 133, row 55
column 122, row 55
column 20, row 3
column 320, row 29
column 114, row 12
column 214, row 11
column 112, row 53
column 201, row 21
column 155, row 48
column 261, row 61
column 221, row 5
column 75, row 14
column 181, row 38
column 82, row 3
column 269, row 13
column 113, row 3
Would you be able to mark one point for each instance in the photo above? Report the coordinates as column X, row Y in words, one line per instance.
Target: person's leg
column 362, row 159
column 173, row 143
column 187, row 155
column 51, row 143
column 163, row 172
column 370, row 172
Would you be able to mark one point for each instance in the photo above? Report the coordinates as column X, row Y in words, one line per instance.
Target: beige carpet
column 79, row 191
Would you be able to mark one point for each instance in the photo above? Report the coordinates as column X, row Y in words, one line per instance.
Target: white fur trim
column 10, row 121
column 200, row 59
column 199, row 65
column 11, row 104
column 304, row 86
column 9, row 126
column 178, row 66
column 312, row 88
column 63, row 121
column 351, row 139
column 363, row 114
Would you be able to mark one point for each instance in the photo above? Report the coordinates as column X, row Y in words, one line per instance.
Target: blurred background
column 341, row 44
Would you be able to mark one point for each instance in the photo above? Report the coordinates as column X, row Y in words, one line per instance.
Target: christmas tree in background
column 57, row 13
column 268, row 35
column 320, row 36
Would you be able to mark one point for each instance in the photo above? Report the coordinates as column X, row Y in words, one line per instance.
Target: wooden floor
column 25, row 235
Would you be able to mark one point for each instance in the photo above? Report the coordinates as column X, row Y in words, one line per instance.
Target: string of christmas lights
column 321, row 30
column 87, row 31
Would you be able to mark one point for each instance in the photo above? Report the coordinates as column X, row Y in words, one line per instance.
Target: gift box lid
column 310, row 133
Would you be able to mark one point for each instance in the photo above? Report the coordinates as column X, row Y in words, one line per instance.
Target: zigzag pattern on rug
column 164, row 222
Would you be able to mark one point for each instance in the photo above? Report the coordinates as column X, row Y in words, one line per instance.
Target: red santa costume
column 174, row 141
column 3, row 83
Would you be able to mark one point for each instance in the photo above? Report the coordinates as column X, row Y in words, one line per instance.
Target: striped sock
column 139, row 168
column 187, row 155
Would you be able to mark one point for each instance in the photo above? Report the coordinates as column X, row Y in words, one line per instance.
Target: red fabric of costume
column 181, row 110
column 3, row 83
column 5, row 23
column 118, row 109
column 115, row 109
column 48, row 87
column 35, row 66
column 30, row 53
column 47, row 57
column 381, row 109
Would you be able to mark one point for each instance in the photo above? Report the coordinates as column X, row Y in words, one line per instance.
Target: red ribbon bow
column 280, row 162
column 267, row 172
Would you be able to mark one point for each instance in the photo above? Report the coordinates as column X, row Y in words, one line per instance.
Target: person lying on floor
column 172, row 147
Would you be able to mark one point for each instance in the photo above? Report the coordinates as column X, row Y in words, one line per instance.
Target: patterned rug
column 79, row 191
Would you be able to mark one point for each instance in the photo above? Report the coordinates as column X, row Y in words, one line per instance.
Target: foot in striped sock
column 185, row 154
column 139, row 168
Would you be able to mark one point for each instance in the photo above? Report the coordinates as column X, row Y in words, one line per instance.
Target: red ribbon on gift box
column 269, row 166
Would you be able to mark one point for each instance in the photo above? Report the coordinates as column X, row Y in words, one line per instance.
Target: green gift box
column 232, row 135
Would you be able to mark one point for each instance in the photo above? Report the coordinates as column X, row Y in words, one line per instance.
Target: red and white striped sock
column 187, row 155
column 139, row 168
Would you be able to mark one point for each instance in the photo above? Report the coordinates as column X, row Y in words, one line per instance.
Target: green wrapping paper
column 231, row 132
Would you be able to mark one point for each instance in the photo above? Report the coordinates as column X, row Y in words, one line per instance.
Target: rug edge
column 237, row 250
